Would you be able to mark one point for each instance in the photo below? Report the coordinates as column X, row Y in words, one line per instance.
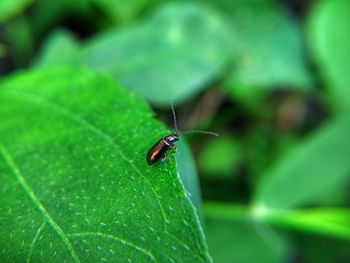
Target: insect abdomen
column 157, row 152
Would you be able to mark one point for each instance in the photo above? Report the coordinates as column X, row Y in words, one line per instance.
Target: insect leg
column 169, row 156
column 162, row 160
column 176, row 150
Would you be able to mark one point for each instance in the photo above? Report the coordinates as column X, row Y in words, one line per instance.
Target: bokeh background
column 272, row 77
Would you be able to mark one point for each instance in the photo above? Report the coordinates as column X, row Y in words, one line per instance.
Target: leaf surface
column 75, row 183
column 313, row 167
column 122, row 11
column 188, row 174
column 10, row 8
column 333, row 222
column 59, row 48
column 171, row 55
column 270, row 50
column 329, row 41
column 233, row 237
column 219, row 157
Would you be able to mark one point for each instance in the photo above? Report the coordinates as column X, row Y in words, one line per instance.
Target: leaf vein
column 26, row 187
column 83, row 121
column 34, row 241
column 127, row 243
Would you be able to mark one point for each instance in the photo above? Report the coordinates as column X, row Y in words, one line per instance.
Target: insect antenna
column 198, row 131
column 187, row 132
column 174, row 116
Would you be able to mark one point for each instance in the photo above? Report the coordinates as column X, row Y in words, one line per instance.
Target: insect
column 160, row 148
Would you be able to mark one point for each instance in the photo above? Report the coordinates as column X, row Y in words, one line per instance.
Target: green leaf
column 315, row 248
column 170, row 56
column 219, row 157
column 330, row 222
column 18, row 33
column 122, row 11
column 59, row 48
column 327, row 221
column 188, row 174
column 75, row 183
column 10, row 8
column 48, row 13
column 232, row 237
column 3, row 50
column 270, row 53
column 329, row 41
column 316, row 165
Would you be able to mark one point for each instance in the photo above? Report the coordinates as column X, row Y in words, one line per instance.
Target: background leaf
column 219, row 157
column 49, row 12
column 59, row 48
column 270, row 46
column 8, row 9
column 329, row 40
column 20, row 40
column 75, row 183
column 188, row 174
column 161, row 58
column 327, row 221
column 122, row 11
column 316, row 165
column 232, row 236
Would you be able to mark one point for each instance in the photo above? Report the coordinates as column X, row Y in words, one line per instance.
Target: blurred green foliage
column 219, row 157
column 272, row 77
column 12, row 8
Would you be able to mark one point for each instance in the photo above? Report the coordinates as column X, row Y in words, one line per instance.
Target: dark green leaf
column 122, row 11
column 47, row 13
column 19, row 35
column 75, row 183
column 322, row 249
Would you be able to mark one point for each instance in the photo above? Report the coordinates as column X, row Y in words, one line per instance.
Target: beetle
column 160, row 148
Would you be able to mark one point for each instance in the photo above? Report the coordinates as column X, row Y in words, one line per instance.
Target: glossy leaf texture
column 329, row 41
column 171, row 55
column 75, row 186
column 313, row 167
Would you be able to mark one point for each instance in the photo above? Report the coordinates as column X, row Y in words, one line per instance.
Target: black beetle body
column 158, row 150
